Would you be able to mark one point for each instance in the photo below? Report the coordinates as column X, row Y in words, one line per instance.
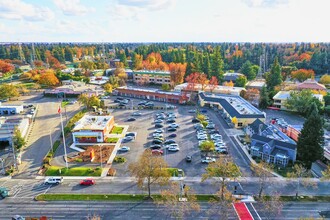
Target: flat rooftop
column 256, row 83
column 149, row 90
column 152, row 72
column 235, row 105
column 91, row 122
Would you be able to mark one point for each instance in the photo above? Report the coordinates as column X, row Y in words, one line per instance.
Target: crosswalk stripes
column 25, row 189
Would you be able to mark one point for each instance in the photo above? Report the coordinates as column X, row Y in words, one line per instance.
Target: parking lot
column 144, row 126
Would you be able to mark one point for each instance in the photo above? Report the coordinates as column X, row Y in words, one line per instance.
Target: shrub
column 204, row 123
column 327, row 126
column 119, row 159
column 112, row 172
column 78, row 160
column 111, row 140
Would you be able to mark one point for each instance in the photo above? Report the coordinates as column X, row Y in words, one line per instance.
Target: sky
column 164, row 21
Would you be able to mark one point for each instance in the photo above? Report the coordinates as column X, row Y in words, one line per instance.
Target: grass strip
column 107, row 197
column 75, row 171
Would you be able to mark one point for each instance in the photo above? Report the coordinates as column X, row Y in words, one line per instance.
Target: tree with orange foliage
column 52, row 61
column 213, row 83
column 154, row 62
column 48, row 78
column 192, row 80
column 230, row 84
column 177, row 71
column 6, row 67
column 202, row 79
column 38, row 63
column 302, row 74
column 305, row 56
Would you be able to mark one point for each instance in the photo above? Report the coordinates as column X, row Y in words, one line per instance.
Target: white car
column 136, row 114
column 171, row 145
column 53, row 180
column 173, row 125
column 159, row 130
column 202, row 137
column 174, row 149
column 208, row 160
column 124, row 149
column 215, row 136
column 218, row 144
column 157, row 134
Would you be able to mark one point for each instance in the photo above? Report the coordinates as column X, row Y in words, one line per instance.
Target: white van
column 53, row 180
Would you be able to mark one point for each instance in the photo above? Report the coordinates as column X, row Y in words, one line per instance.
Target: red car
column 157, row 152
column 87, row 182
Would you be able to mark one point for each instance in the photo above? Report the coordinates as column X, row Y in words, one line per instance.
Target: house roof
column 256, row 125
column 241, row 104
column 311, row 84
column 274, row 142
column 231, row 76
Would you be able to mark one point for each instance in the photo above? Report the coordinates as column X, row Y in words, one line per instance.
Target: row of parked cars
column 160, row 142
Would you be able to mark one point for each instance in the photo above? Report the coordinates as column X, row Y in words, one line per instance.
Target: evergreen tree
column 248, row 71
column 264, row 98
column 68, row 54
column 274, row 77
column 207, row 66
column 217, row 64
column 311, row 139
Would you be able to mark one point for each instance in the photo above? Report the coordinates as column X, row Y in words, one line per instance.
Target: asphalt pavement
column 138, row 210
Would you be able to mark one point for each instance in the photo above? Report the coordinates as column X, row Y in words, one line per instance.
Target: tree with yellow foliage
column 325, row 79
column 230, row 84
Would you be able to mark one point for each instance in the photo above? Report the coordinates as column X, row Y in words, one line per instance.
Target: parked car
column 127, row 139
column 173, row 148
column 124, row 149
column 195, row 120
column 203, row 111
column 159, row 130
column 157, row 152
column 87, row 182
column 159, row 138
column 142, row 103
column 188, row 158
column 131, row 119
column 192, row 111
column 155, row 147
column 201, row 137
column 213, row 131
column 208, row 160
column 136, row 114
column 169, row 142
column 157, row 135
column 171, row 129
column 172, row 135
column 130, row 134
column 221, row 150
column 157, row 141
column 170, row 120
column 122, row 105
column 159, row 125
column 210, row 126
column 173, row 125
column 158, row 121
column 53, row 180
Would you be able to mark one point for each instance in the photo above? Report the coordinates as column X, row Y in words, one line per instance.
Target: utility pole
column 33, row 56
column 51, row 141
column 64, row 144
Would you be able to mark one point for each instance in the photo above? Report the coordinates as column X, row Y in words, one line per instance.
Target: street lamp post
column 3, row 167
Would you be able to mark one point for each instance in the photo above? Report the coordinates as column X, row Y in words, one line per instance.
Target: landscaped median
column 106, row 197
column 74, row 171
column 139, row 197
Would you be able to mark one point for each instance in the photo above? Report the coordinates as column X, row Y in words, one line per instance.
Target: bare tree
column 221, row 204
column 172, row 200
column 263, row 172
column 299, row 174
column 271, row 206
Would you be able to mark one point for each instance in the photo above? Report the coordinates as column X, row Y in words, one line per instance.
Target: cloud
column 19, row 10
column 265, row 3
column 148, row 4
column 136, row 9
column 72, row 7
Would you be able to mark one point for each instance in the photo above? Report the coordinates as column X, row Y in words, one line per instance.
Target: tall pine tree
column 311, row 139
column 217, row 64
column 274, row 77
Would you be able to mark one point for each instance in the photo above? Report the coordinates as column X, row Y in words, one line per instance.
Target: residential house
column 231, row 76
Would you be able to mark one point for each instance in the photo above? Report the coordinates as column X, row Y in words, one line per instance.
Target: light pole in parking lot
column 51, row 141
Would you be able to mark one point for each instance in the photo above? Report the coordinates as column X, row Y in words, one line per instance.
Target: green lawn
column 117, row 130
column 75, row 171
column 98, row 197
column 112, row 140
